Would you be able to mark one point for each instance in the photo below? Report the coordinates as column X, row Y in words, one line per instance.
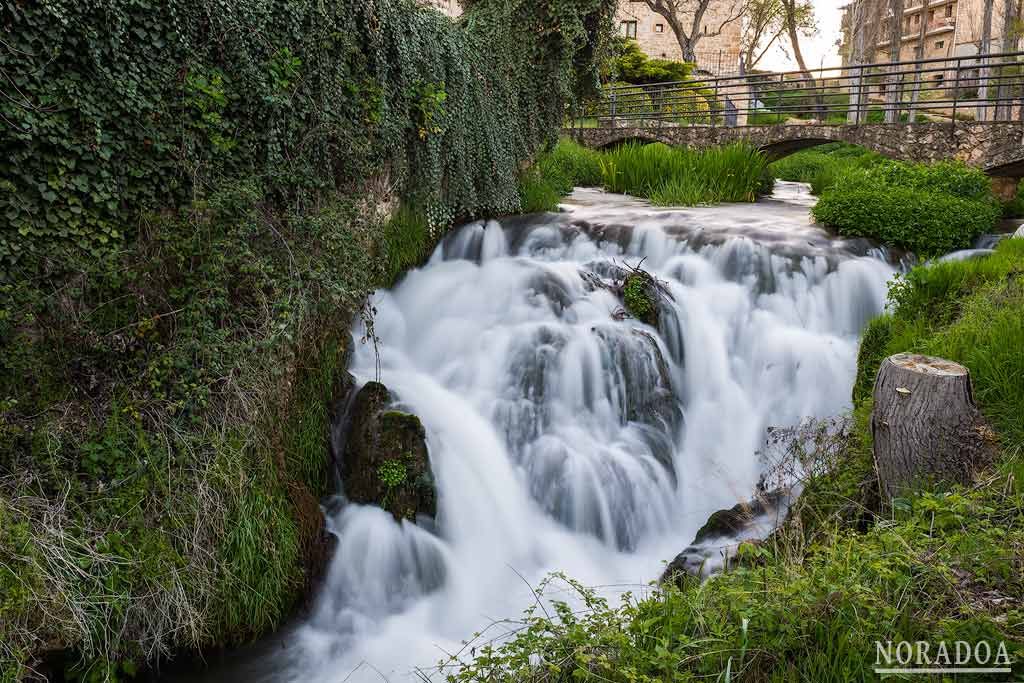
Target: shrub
column 929, row 210
column 632, row 65
column 822, row 165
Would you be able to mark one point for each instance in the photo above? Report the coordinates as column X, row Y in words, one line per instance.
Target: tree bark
column 895, row 94
column 983, row 50
column 919, row 54
column 793, row 29
column 926, row 426
column 1004, row 109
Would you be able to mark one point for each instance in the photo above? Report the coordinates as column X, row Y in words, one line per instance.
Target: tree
column 1010, row 38
column 798, row 16
column 919, row 54
column 864, row 20
column 631, row 65
column 895, row 94
column 763, row 25
column 686, row 19
column 983, row 50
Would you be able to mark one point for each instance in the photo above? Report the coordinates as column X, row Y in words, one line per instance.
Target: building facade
column 952, row 28
column 717, row 50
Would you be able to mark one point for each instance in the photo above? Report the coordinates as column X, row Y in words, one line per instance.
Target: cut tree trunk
column 926, row 426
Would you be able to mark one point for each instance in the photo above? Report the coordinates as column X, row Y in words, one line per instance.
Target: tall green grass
column 555, row 174
column 968, row 311
column 668, row 176
column 671, row 176
column 822, row 165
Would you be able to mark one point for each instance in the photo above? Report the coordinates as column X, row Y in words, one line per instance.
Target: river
column 566, row 437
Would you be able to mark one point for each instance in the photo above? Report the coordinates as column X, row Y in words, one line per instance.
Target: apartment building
column 952, row 28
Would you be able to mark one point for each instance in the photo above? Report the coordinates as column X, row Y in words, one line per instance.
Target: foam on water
column 564, row 436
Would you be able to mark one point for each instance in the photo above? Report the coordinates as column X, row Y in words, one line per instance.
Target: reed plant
column 676, row 176
column 668, row 176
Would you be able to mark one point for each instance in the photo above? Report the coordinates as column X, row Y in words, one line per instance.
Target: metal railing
column 976, row 88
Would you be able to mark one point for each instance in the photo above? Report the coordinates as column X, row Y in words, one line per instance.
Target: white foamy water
column 564, row 437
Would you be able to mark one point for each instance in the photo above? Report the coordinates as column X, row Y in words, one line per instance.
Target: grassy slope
column 808, row 604
column 191, row 518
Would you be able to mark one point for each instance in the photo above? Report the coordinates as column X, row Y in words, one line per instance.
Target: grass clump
column 555, row 173
column 667, row 176
column 971, row 312
column 930, row 209
column 671, row 176
column 821, row 165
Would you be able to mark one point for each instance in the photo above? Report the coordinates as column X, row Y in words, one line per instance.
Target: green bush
column 821, row 165
column 632, row 65
column 927, row 209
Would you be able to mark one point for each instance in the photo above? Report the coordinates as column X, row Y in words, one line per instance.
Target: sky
column 818, row 49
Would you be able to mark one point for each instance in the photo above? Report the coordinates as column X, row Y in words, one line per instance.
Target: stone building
column 952, row 29
column 717, row 51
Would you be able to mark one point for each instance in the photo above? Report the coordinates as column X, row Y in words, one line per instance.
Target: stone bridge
column 996, row 147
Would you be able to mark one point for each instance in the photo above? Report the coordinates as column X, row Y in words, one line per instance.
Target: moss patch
column 640, row 299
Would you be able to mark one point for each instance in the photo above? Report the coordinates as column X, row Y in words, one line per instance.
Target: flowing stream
column 566, row 437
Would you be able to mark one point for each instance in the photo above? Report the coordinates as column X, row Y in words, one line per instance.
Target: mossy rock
column 640, row 296
column 385, row 461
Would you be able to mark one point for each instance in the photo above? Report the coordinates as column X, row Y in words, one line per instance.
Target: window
column 659, row 28
column 949, row 10
column 628, row 29
column 705, row 29
column 940, row 44
column 931, row 15
column 917, row 19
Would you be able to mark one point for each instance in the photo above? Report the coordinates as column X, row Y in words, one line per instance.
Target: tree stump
column 926, row 426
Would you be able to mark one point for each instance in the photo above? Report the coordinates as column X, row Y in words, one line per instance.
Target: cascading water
column 565, row 436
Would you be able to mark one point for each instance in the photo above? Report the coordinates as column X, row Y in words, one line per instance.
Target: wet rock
column 385, row 459
column 726, row 536
column 733, row 522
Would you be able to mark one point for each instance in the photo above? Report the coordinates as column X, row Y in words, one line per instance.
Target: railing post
column 956, row 90
column 611, row 107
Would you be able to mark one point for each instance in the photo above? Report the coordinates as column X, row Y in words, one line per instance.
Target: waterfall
column 566, row 436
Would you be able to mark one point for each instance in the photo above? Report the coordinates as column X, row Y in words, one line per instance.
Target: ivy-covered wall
column 117, row 106
column 191, row 198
